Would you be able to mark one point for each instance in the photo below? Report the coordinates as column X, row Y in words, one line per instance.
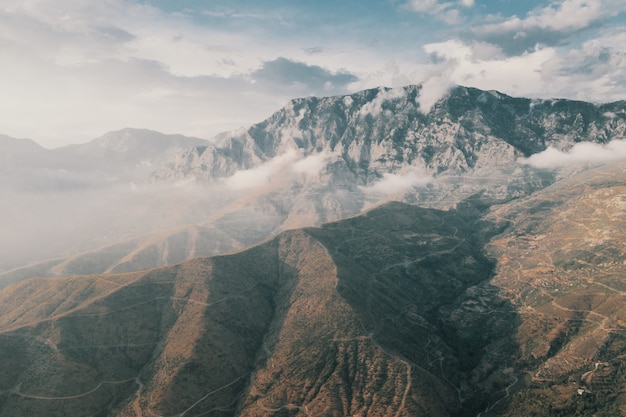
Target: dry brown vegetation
column 402, row 311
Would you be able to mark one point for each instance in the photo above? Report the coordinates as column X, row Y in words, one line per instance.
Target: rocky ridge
column 314, row 161
column 369, row 134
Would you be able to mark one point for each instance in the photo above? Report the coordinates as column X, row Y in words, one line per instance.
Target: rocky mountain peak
column 382, row 131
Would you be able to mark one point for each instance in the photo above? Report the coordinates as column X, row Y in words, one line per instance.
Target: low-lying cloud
column 397, row 183
column 375, row 106
column 582, row 154
column 313, row 165
column 431, row 92
column 262, row 174
column 284, row 166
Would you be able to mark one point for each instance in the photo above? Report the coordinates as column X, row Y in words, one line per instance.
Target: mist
column 58, row 222
column 400, row 183
column 137, row 199
column 581, row 154
column 97, row 206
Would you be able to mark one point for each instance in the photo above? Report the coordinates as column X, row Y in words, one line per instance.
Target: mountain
column 364, row 136
column 127, row 154
column 512, row 310
column 15, row 155
column 314, row 161
column 56, row 202
column 326, row 321
column 12, row 147
column 501, row 296
column 561, row 264
column 134, row 152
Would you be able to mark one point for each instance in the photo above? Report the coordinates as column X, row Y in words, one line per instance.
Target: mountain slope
column 402, row 311
column 300, row 324
column 314, row 161
column 561, row 264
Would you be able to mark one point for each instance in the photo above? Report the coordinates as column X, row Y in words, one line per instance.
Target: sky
column 72, row 70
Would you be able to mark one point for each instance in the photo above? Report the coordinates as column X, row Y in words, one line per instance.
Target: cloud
column 262, row 174
column 431, row 92
column 284, row 166
column 596, row 69
column 481, row 65
column 592, row 71
column 313, row 164
column 375, row 106
column 397, row 183
column 446, row 11
column 427, row 6
column 581, row 154
column 84, row 68
column 285, row 73
column 548, row 25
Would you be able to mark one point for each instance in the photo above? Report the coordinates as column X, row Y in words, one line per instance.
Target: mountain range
column 403, row 264
column 316, row 160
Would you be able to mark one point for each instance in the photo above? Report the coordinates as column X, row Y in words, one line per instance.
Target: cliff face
column 383, row 131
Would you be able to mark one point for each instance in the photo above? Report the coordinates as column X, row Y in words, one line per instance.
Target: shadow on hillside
column 240, row 308
column 419, row 281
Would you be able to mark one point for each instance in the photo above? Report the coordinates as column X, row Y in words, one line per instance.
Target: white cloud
column 431, row 92
column 375, row 107
column 83, row 68
column 593, row 71
column 446, row 11
column 581, row 154
column 568, row 15
column 451, row 49
column 596, row 69
column 262, row 174
column 314, row 164
column 482, row 66
column 427, row 6
column 283, row 167
column 398, row 183
column 549, row 25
